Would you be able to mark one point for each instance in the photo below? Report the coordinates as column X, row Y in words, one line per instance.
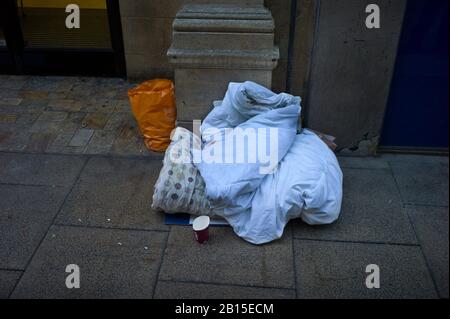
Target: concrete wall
column 147, row 32
column 303, row 45
column 352, row 67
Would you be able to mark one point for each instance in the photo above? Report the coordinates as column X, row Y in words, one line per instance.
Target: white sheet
column 307, row 180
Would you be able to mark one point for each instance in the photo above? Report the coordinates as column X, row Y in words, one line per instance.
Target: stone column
column 217, row 44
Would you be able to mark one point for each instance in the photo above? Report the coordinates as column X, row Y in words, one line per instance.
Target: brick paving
column 76, row 188
column 67, row 115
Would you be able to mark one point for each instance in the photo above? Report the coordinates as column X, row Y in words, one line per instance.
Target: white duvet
column 259, row 199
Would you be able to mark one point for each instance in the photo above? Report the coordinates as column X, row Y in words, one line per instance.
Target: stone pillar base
column 214, row 45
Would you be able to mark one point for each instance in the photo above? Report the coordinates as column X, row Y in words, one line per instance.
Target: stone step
column 214, row 11
column 259, row 60
column 223, row 41
column 222, row 25
column 213, row 45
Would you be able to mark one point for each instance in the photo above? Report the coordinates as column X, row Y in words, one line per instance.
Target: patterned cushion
column 180, row 187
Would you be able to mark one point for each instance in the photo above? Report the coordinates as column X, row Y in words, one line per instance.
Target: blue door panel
column 417, row 112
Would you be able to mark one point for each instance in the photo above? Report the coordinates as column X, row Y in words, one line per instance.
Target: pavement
column 76, row 185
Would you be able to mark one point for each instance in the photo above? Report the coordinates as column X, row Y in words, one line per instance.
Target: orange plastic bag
column 153, row 106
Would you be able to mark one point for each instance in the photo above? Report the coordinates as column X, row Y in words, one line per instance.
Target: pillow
column 180, row 187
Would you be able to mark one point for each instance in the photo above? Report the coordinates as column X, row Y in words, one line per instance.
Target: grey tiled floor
column 67, row 115
column 90, row 205
column 93, row 211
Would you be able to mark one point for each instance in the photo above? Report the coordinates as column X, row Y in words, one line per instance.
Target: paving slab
column 119, row 120
column 49, row 84
column 227, row 259
column 73, row 122
column 27, row 118
column 35, row 107
column 422, row 180
column 58, row 96
column 37, row 169
column 61, row 139
column 10, row 109
column 363, row 162
column 8, row 118
column 123, row 106
column 371, row 212
column 41, row 126
column 180, row 290
column 16, row 141
column 65, row 105
column 12, row 82
column 81, row 138
column 113, row 192
column 101, row 142
column 96, row 121
column 431, row 225
column 51, row 116
column 13, row 93
column 26, row 212
column 97, row 104
column 129, row 141
column 333, row 270
column 68, row 150
column 34, row 95
column 39, row 142
column 113, row 264
column 11, row 101
column 42, row 110
column 8, row 280
column 4, row 136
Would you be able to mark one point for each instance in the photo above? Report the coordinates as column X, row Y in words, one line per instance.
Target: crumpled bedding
column 259, row 198
column 306, row 181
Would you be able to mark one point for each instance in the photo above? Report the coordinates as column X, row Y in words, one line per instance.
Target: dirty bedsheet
column 300, row 178
column 306, row 180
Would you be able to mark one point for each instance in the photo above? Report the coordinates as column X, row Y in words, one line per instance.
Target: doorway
column 417, row 112
column 34, row 38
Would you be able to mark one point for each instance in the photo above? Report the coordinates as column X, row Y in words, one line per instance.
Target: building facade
column 349, row 75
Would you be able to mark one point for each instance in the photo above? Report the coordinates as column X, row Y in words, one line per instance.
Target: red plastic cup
column 201, row 229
